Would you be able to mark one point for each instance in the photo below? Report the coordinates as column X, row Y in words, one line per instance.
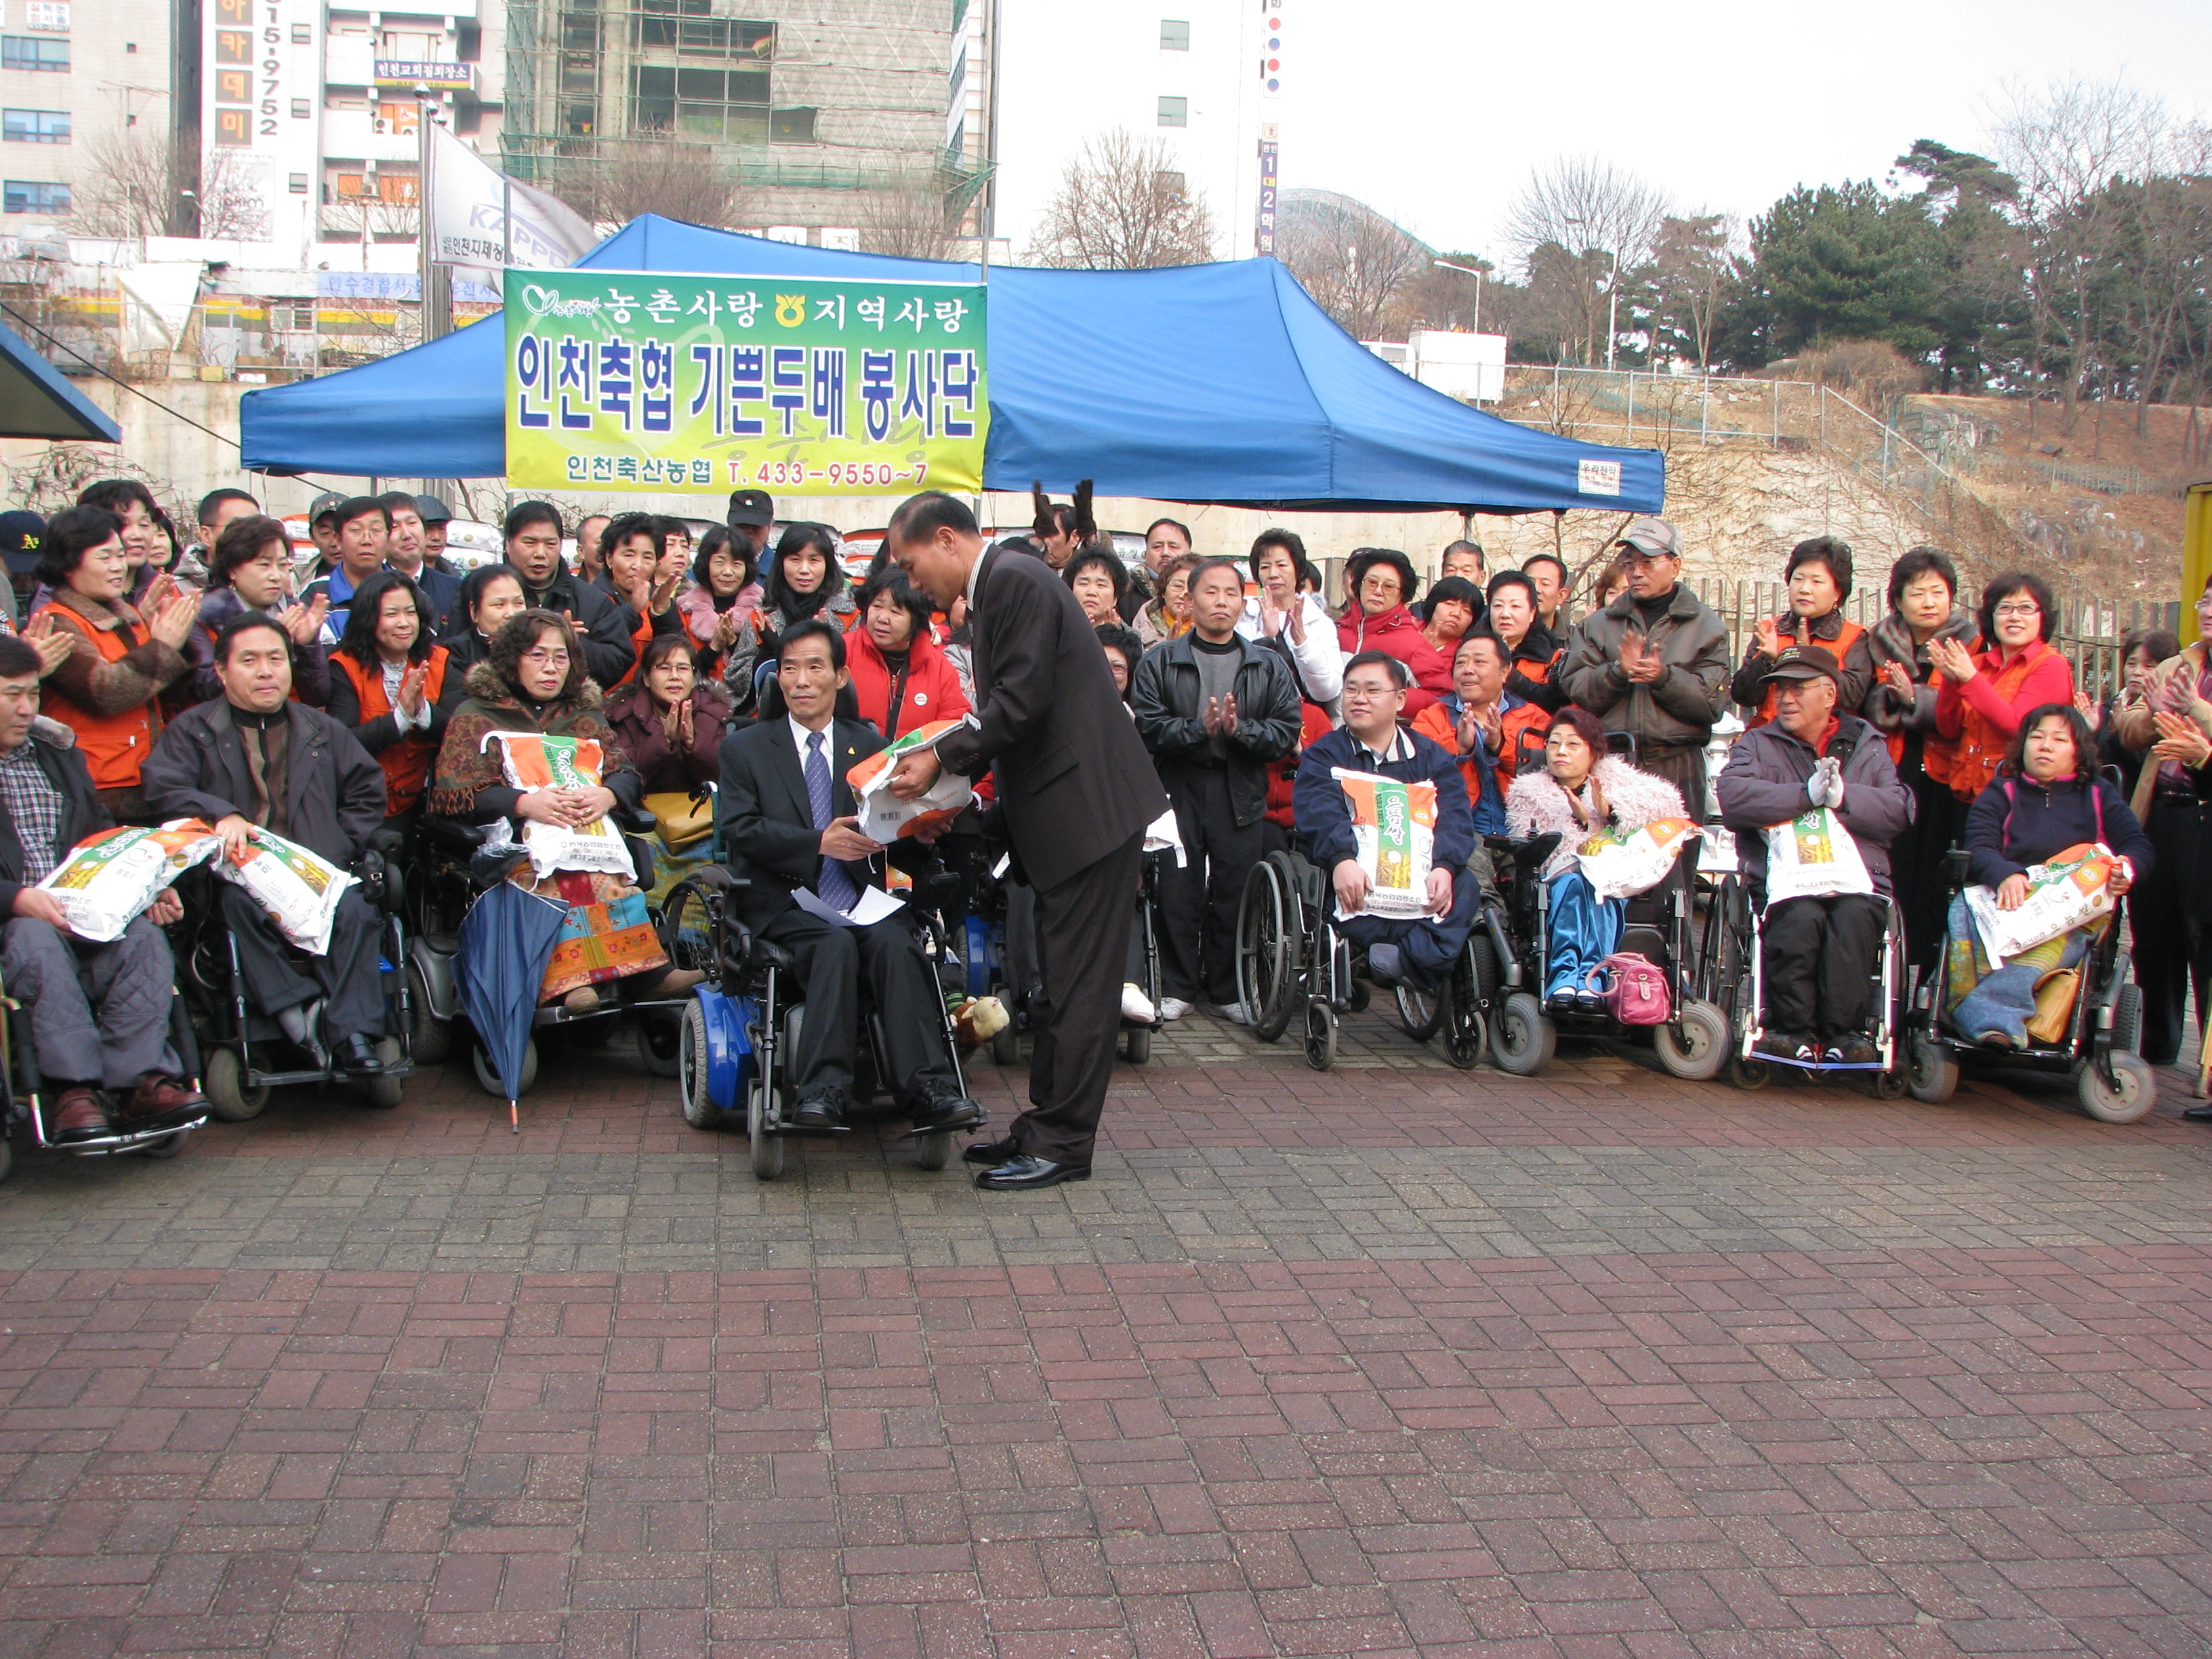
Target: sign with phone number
column 635, row 380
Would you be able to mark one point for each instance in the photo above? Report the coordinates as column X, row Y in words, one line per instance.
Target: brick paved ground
column 1398, row 1360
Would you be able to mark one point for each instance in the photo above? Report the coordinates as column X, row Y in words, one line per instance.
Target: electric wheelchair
column 21, row 1091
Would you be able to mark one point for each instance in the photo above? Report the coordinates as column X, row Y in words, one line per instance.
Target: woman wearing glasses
column 1982, row 697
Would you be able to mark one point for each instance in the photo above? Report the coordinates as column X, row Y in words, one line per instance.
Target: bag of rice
column 1393, row 831
column 1813, row 856
column 108, row 879
column 2073, row 888
column 1622, row 863
column 536, row 760
column 300, row 891
column 884, row 817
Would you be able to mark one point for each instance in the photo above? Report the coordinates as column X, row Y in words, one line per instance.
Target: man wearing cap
column 1654, row 663
column 323, row 530
column 364, row 527
column 1818, row 955
column 751, row 516
column 435, row 516
column 21, row 533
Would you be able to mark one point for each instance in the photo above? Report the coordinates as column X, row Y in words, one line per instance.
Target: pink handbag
column 1634, row 989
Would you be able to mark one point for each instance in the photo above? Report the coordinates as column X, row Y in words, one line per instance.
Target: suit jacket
column 1073, row 780
column 334, row 790
column 769, row 837
column 83, row 814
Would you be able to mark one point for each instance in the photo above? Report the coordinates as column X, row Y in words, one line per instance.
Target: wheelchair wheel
column 767, row 1149
column 160, row 1151
column 699, row 1108
column 932, row 1152
column 1522, row 1040
column 1748, row 1073
column 1930, row 1073
column 1321, row 1035
column 2127, row 1018
column 1695, row 1045
column 1137, row 1043
column 432, row 1037
column 2135, row 1093
column 487, row 1074
column 1266, row 948
column 228, row 1096
column 660, row 1043
column 1419, row 1012
column 1359, row 996
column 384, row 1092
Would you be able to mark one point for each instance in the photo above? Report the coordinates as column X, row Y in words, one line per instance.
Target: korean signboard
column 642, row 381
column 261, row 88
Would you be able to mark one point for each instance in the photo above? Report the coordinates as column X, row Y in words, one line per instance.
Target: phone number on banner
column 672, row 471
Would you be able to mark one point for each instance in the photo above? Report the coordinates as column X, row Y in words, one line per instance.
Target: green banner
column 634, row 380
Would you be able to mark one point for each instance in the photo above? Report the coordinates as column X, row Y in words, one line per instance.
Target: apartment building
column 86, row 85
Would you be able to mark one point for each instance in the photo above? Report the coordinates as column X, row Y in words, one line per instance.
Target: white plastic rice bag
column 537, row 760
column 2073, row 888
column 299, row 890
column 1622, row 863
column 1813, row 856
column 108, row 879
column 1394, row 830
column 883, row 816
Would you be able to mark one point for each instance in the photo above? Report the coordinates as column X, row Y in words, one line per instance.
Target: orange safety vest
column 113, row 746
column 407, row 762
column 1840, row 647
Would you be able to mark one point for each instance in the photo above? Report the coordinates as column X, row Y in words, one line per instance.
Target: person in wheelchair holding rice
column 1819, row 952
column 1419, row 953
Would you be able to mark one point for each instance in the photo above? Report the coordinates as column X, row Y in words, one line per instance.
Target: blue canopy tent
column 1220, row 383
column 36, row 401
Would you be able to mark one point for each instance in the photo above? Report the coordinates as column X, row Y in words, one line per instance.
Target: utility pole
column 437, row 303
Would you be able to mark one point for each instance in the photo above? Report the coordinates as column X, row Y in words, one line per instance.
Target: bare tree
column 1579, row 206
column 1354, row 262
column 145, row 184
column 655, row 175
column 912, row 218
column 1123, row 204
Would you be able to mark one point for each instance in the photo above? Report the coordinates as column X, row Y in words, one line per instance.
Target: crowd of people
column 148, row 673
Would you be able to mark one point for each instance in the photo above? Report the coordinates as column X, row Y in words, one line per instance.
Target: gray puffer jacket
column 1763, row 785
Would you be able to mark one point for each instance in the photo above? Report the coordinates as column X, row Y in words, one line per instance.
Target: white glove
column 1835, row 790
column 1816, row 787
column 1826, row 786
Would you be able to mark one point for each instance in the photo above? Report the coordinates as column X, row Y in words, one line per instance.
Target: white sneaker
column 1173, row 1007
column 1136, row 1005
column 1235, row 1012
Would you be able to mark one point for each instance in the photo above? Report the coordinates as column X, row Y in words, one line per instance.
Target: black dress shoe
column 2199, row 1114
column 942, row 1114
column 822, row 1113
column 990, row 1152
column 357, row 1057
column 1022, row 1173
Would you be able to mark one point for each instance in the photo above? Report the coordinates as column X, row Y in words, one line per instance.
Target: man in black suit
column 789, row 821
column 1075, row 791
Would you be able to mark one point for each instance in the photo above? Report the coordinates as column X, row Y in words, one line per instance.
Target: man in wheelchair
column 254, row 758
column 99, row 1013
column 789, row 827
column 1418, row 953
column 1818, row 955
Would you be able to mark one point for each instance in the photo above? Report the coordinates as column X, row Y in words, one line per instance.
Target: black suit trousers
column 1083, row 946
column 831, row 962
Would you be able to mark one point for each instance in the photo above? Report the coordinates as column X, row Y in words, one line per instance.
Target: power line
column 60, row 345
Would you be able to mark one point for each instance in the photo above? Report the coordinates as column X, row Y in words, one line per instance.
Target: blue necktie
column 834, row 886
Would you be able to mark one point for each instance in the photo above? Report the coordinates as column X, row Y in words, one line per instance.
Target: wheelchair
column 448, row 875
column 244, row 1052
column 737, row 1026
column 1291, row 963
column 22, row 1089
column 2114, row 1083
column 1735, row 967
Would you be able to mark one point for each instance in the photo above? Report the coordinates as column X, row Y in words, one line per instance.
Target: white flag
column 470, row 202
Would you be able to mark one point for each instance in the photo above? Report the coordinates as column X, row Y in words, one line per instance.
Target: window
column 34, row 126
column 52, row 14
column 24, row 51
column 27, row 196
column 709, row 104
column 791, row 126
column 303, row 34
column 1174, row 36
column 399, row 119
column 687, row 26
column 299, row 184
column 296, row 317
column 1174, row 111
column 580, row 39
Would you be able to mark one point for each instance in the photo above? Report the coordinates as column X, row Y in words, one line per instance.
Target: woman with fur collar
column 1582, row 791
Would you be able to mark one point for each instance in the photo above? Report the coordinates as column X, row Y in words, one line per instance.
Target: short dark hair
column 393, row 500
column 718, row 539
column 620, row 529
column 360, row 507
column 1357, row 567
column 2085, row 741
column 215, row 498
column 71, row 534
column 1828, row 551
column 1301, row 568
column 116, row 494
column 814, row 628
column 1447, row 590
column 1218, row 562
column 245, row 623
column 1116, row 572
column 2003, row 587
column 1186, row 563
column 17, row 660
column 1173, row 524
column 520, row 633
column 1565, row 576
column 1400, row 676
column 919, row 518
column 1115, row 636
column 473, row 586
column 1520, row 579
column 2160, row 642
column 1585, row 726
column 1915, row 562
column 523, row 515
column 359, row 640
column 659, row 649
column 1479, row 632
column 797, row 539
column 241, row 542
column 892, row 580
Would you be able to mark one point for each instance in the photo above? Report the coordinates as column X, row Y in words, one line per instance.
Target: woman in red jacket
column 1382, row 584
column 1982, row 697
column 902, row 677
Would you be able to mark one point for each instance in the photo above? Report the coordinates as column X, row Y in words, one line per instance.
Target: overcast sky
column 1434, row 111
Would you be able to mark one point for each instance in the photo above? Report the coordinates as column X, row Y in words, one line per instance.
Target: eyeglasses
column 544, row 659
column 2023, row 608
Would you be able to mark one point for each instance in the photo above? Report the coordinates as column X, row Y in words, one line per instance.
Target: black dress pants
column 1817, row 961
column 830, row 962
column 1199, row 901
column 1916, row 863
column 1083, row 943
column 2172, row 944
column 278, row 976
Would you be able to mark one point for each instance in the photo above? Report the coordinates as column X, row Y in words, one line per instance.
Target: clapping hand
column 726, row 629
column 411, row 683
column 1219, row 720
column 1769, row 639
column 1893, row 675
column 172, row 623
column 675, row 726
column 2180, row 739
column 304, row 622
column 50, row 640
column 1952, row 659
column 1639, row 661
column 2175, row 692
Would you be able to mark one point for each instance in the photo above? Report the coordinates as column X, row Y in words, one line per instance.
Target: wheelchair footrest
column 1821, row 1065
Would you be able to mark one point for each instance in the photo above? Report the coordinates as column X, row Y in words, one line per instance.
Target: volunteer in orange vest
column 631, row 551
column 106, row 689
column 1984, row 697
column 387, row 682
column 1819, row 575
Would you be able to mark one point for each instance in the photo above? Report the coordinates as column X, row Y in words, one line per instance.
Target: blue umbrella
column 507, row 940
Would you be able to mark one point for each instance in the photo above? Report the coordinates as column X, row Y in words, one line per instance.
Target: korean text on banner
column 642, row 381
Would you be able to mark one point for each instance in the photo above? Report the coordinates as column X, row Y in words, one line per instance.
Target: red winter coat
column 1396, row 632
column 928, row 691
